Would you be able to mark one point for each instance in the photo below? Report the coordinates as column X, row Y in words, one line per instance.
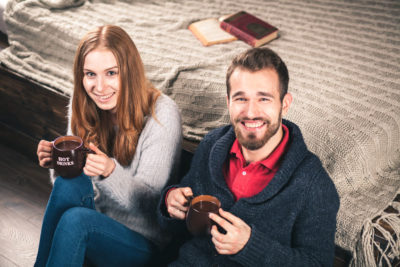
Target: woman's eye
column 89, row 74
column 112, row 72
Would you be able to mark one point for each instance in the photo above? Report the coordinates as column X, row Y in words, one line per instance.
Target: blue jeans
column 73, row 232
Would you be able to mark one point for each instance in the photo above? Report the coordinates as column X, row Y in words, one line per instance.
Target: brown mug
column 69, row 156
column 197, row 220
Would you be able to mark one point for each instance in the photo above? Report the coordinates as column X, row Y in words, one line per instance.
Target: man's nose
column 252, row 109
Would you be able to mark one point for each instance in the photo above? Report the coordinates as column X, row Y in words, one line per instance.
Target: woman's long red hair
column 136, row 99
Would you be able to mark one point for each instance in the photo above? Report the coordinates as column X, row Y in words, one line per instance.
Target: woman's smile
column 104, row 97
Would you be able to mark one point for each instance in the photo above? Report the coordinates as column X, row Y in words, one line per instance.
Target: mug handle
column 84, row 153
column 88, row 150
column 189, row 200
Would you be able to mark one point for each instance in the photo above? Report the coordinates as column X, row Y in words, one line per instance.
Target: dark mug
column 197, row 220
column 69, row 156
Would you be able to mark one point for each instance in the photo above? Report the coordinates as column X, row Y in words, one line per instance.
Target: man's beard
column 250, row 141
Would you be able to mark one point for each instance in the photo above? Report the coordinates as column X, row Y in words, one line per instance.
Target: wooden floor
column 24, row 190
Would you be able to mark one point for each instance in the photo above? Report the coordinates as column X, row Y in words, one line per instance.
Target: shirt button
column 244, row 172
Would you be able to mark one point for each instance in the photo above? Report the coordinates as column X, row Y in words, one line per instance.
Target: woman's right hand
column 44, row 153
column 177, row 202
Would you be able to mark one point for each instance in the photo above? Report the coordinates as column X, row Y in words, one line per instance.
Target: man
column 278, row 203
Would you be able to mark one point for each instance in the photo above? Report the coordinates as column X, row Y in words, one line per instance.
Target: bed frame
column 29, row 115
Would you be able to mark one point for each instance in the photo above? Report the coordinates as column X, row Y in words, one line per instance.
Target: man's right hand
column 178, row 202
column 44, row 153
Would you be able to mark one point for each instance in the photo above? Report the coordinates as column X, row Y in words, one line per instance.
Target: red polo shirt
column 248, row 180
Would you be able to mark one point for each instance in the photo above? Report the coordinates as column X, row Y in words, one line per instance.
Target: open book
column 209, row 32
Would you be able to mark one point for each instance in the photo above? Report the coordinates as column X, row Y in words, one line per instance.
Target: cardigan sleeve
column 156, row 157
column 313, row 233
column 175, row 225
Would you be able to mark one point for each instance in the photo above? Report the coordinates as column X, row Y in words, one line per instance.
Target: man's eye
column 240, row 99
column 264, row 99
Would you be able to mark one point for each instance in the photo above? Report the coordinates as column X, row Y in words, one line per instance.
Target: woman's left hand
column 99, row 163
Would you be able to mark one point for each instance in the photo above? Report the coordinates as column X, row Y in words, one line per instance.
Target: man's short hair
column 256, row 59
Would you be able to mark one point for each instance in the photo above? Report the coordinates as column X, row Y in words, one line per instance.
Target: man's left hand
column 237, row 233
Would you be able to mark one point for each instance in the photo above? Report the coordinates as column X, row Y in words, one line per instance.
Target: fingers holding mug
column 177, row 202
column 44, row 153
column 176, row 213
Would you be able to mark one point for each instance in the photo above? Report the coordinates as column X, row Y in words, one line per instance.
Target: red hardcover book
column 249, row 28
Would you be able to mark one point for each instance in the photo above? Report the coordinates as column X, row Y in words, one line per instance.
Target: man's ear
column 227, row 102
column 286, row 102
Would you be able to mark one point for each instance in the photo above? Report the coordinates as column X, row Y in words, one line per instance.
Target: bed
column 344, row 64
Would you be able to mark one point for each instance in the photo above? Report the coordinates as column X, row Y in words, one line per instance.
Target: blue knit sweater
column 293, row 220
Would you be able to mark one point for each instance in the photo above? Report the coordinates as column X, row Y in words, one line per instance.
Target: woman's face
column 101, row 78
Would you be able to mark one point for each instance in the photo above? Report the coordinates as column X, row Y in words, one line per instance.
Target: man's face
column 255, row 107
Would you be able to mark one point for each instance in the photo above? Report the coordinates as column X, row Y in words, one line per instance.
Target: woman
column 106, row 216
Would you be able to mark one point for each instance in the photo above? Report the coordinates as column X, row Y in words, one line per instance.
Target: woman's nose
column 100, row 84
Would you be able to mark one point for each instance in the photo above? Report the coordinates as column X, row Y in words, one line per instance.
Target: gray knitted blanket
column 343, row 58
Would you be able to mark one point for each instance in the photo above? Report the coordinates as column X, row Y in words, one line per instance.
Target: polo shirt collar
column 272, row 161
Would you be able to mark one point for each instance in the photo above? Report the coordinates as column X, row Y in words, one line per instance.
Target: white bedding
column 3, row 4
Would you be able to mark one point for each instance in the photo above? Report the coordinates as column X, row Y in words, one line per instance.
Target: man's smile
column 253, row 125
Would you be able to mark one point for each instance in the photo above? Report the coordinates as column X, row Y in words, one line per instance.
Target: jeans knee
column 76, row 220
column 70, row 238
column 74, row 190
column 64, row 186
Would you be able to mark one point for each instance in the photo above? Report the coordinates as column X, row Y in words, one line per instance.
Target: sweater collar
column 272, row 162
column 218, row 154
